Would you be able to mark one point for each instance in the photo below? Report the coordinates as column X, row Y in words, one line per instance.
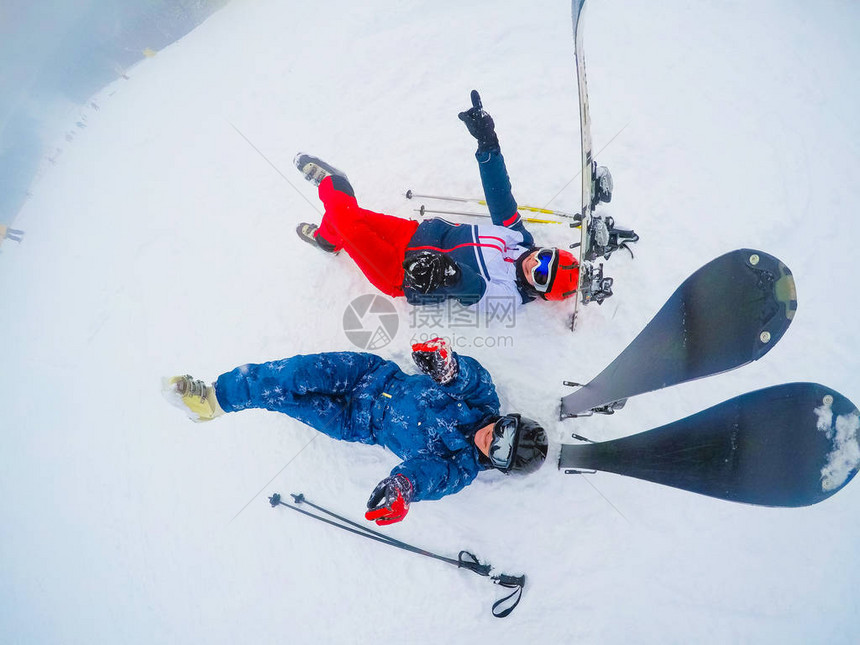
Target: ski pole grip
column 510, row 581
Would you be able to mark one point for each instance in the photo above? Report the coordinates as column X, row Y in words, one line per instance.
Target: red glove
column 436, row 359
column 389, row 501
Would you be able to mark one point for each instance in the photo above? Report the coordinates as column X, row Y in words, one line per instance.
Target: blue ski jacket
column 485, row 254
column 361, row 397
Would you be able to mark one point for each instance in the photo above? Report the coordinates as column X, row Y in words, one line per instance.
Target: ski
column 730, row 312
column 788, row 445
column 587, row 162
column 598, row 236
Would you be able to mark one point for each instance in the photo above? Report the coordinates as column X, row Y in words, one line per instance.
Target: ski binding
column 595, row 287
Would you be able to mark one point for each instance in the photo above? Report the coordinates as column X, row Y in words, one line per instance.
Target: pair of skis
column 789, row 445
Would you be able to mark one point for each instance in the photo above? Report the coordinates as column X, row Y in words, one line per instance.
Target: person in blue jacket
column 444, row 423
column 436, row 260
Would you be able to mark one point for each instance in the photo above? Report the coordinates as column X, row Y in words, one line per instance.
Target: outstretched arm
column 494, row 174
column 434, row 477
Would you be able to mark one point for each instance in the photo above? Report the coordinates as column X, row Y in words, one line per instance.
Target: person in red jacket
column 436, row 260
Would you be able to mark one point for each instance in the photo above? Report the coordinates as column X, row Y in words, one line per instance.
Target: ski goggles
column 546, row 262
column 504, row 443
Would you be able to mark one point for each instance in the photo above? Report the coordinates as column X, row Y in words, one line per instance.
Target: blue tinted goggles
column 544, row 268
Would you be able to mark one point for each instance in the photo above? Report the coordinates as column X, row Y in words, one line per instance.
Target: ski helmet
column 518, row 444
column 555, row 275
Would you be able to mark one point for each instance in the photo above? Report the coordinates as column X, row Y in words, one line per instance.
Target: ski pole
column 532, row 209
column 533, row 220
column 464, row 560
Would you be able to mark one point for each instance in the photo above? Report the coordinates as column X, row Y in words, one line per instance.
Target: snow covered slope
column 163, row 243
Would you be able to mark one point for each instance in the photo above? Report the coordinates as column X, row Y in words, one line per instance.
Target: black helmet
column 518, row 445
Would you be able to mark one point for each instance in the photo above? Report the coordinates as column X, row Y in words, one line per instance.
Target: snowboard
column 730, row 312
column 789, row 445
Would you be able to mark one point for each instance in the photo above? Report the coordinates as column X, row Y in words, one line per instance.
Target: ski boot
column 193, row 397
column 315, row 169
column 308, row 233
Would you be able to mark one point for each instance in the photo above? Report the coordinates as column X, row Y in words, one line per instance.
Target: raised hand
column 480, row 124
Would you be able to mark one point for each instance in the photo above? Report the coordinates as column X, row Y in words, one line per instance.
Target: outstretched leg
column 316, row 389
column 376, row 242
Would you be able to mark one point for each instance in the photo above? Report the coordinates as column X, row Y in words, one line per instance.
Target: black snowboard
column 727, row 314
column 788, row 445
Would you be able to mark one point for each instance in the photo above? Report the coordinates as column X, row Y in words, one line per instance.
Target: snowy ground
column 163, row 243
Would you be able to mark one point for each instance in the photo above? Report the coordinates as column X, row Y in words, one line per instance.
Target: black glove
column 428, row 270
column 480, row 124
column 389, row 501
column 435, row 359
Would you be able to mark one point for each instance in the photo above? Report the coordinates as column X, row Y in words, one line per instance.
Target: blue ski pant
column 331, row 392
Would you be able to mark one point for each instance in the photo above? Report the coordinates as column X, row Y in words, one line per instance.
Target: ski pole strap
column 469, row 561
column 508, row 603
column 504, row 606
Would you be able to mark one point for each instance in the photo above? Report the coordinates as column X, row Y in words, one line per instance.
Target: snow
column 163, row 243
column 844, row 458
